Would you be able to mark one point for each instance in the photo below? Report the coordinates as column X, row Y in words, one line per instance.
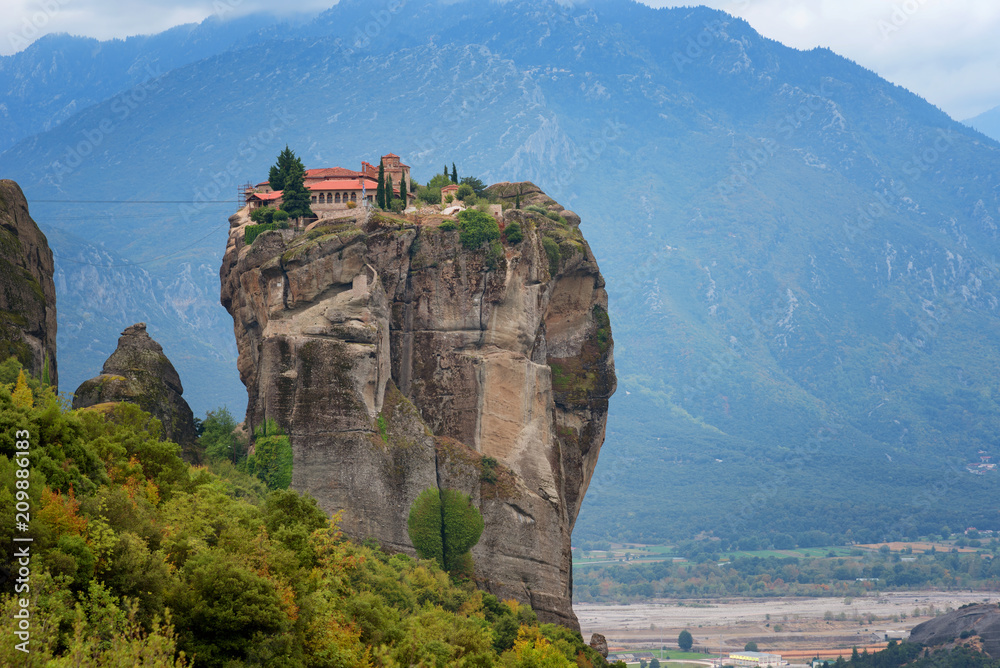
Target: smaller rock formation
column 974, row 626
column 599, row 643
column 139, row 373
column 27, row 292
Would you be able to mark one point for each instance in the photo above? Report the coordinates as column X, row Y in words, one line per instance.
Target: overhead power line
column 133, row 201
column 136, row 264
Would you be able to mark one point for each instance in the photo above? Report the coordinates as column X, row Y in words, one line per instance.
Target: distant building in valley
column 754, row 659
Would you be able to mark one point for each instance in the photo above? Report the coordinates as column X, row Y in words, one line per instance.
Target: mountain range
column 800, row 256
column 987, row 122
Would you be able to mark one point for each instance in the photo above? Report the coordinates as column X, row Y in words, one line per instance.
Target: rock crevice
column 397, row 360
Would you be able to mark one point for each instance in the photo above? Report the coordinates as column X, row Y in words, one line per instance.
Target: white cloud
column 944, row 50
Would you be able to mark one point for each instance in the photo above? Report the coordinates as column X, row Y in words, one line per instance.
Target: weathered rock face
column 27, row 293
column 979, row 623
column 600, row 643
column 396, row 360
column 139, row 373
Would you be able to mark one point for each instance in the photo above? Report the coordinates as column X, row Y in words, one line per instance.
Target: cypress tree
column 454, row 173
column 388, row 191
column 445, row 172
column 295, row 198
column 517, row 201
column 380, row 190
column 279, row 172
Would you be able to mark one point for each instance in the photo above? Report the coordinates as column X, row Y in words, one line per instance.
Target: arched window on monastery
column 354, row 197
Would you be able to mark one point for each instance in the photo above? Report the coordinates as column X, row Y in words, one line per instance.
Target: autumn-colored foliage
column 141, row 559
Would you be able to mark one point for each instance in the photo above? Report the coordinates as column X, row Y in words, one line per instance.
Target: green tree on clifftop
column 280, row 171
column 295, row 198
column 380, row 198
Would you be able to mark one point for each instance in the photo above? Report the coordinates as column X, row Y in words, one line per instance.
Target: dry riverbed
column 775, row 624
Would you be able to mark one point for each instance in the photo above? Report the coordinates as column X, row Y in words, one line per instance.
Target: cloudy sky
column 948, row 51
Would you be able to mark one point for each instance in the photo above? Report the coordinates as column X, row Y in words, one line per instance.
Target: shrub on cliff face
column 552, row 251
column 444, row 525
column 424, row 526
column 272, row 457
column 251, row 232
column 513, row 233
column 478, row 228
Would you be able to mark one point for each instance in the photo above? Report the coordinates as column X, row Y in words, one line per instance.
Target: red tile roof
column 390, row 155
column 343, row 184
column 262, row 184
column 453, row 186
column 332, row 173
column 267, row 197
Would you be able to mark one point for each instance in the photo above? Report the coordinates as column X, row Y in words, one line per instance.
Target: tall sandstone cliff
column 27, row 292
column 397, row 360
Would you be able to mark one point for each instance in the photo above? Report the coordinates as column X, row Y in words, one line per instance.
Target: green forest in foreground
column 140, row 559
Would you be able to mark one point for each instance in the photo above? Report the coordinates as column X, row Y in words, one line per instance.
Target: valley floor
column 820, row 625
